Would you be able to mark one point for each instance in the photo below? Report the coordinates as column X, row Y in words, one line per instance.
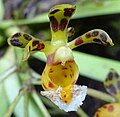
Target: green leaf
column 3, row 101
column 1, row 10
column 89, row 9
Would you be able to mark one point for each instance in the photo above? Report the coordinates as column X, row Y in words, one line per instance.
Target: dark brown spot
column 57, row 63
column 78, row 41
column 35, row 43
column 70, row 75
column 64, row 68
column 54, row 23
column 54, row 11
column 110, row 76
column 95, row 33
column 41, row 46
column 110, row 108
column 97, row 115
column 97, row 40
column 63, row 24
column 112, row 89
column 65, row 75
column 16, row 35
column 27, row 37
column 16, row 42
column 68, row 12
column 103, row 37
column 51, row 85
column 70, row 66
column 88, row 35
column 65, row 101
column 118, row 84
column 50, row 71
column 104, row 106
column 64, row 95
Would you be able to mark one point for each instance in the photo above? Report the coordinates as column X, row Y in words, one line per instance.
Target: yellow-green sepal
column 112, row 84
column 20, row 39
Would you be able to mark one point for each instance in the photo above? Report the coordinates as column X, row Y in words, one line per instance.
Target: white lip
column 79, row 94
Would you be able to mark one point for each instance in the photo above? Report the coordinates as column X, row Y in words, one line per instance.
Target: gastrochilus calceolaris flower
column 61, row 71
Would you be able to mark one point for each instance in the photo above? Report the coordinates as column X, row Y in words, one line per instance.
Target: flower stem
column 26, row 105
column 14, row 103
column 8, row 72
column 81, row 113
column 100, row 95
column 40, row 104
column 57, row 111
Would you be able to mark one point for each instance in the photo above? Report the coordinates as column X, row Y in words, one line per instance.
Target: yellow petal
column 57, row 75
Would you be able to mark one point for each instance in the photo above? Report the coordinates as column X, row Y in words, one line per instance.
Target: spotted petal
column 30, row 43
column 94, row 36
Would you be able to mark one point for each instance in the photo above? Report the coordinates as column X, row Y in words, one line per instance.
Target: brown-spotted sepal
column 94, row 36
column 59, row 17
column 33, row 46
column 112, row 84
column 19, row 39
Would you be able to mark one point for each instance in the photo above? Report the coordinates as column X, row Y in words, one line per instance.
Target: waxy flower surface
column 61, row 71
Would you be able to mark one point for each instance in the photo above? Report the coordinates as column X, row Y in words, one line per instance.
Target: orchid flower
column 61, row 72
column 112, row 86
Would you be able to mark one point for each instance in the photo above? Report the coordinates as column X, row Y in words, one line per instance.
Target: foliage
column 16, row 76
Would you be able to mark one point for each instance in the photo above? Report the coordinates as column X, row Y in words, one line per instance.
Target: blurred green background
column 94, row 60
